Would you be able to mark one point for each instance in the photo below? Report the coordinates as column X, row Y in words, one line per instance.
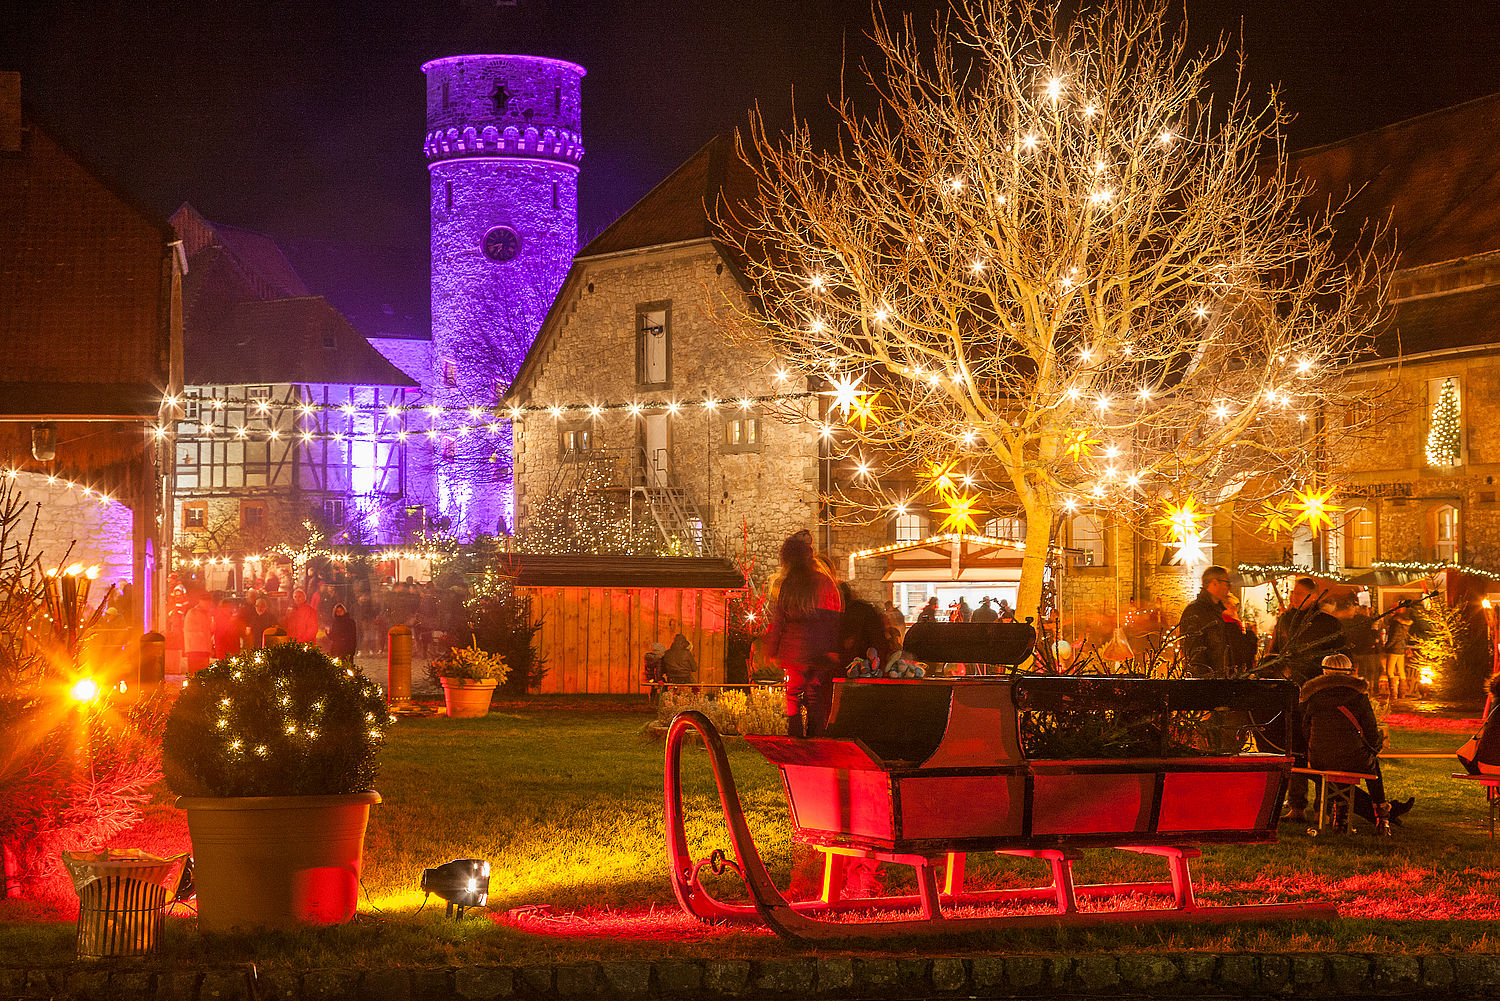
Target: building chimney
column 10, row 112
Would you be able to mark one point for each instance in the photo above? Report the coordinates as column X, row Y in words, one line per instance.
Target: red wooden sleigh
column 923, row 773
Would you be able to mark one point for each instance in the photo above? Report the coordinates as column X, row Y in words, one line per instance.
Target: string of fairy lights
column 457, row 421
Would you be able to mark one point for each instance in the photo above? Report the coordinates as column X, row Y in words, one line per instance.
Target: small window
column 446, row 102
column 653, row 341
column 554, row 194
column 1445, row 425
column 1088, row 540
column 1445, row 534
column 556, row 103
column 333, row 512
column 576, row 442
column 190, row 405
column 195, row 516
column 450, row 373
column 448, row 195
column 258, row 403
column 253, row 516
column 1013, row 529
column 742, row 433
column 910, row 527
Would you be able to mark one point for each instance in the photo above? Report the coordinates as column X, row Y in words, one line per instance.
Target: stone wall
column 100, row 534
column 1386, row 467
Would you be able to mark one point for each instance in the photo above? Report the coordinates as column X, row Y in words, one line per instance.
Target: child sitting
column 1342, row 736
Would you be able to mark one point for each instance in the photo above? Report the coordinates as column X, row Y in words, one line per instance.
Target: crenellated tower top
column 496, row 105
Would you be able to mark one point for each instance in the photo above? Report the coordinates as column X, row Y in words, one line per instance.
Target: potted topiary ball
column 273, row 754
column 469, row 676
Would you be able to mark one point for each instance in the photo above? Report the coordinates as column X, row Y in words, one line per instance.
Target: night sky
column 305, row 120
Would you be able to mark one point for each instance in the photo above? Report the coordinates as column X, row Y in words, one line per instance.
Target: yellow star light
column 943, row 475
column 1181, row 520
column 961, row 513
column 1079, row 444
column 1315, row 509
column 1275, row 518
column 863, row 410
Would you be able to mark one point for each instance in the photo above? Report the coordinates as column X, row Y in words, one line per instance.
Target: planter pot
column 467, row 698
column 277, row 861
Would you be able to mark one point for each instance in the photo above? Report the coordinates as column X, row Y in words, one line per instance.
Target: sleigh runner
column 923, row 773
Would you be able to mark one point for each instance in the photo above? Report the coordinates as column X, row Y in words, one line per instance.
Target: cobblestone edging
column 1187, row 974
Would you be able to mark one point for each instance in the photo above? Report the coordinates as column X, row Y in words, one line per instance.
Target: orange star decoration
column 1315, row 509
column 943, row 474
column 961, row 513
column 1079, row 445
column 862, row 410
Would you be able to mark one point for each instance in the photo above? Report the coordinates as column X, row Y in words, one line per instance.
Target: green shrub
column 470, row 663
column 760, row 711
column 285, row 721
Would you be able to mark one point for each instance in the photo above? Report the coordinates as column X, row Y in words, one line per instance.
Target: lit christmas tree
column 1048, row 268
column 1442, row 434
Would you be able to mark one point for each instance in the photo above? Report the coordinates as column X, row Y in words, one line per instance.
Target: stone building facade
column 647, row 319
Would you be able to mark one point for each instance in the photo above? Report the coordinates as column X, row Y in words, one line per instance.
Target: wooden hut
column 600, row 614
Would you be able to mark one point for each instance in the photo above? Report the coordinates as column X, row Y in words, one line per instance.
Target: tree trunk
column 1034, row 561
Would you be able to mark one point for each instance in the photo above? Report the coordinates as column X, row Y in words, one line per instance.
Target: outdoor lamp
column 464, row 882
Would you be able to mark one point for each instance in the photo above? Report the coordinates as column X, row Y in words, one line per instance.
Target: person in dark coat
column 862, row 628
column 257, row 622
column 1393, row 654
column 678, row 664
column 343, row 636
column 803, row 636
column 986, row 612
column 1303, row 635
column 1339, row 726
column 1486, row 759
column 1207, row 650
column 929, row 612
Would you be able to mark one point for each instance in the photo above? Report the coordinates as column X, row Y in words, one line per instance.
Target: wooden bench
column 1491, row 785
column 1339, row 785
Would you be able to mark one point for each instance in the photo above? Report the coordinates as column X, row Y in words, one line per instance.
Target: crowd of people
column 345, row 618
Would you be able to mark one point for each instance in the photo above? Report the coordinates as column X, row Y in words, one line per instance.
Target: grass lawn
column 566, row 801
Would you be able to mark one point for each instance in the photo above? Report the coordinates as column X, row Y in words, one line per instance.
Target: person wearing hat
column 1342, row 736
column 986, row 611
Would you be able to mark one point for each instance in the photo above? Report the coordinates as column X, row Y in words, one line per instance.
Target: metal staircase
column 677, row 517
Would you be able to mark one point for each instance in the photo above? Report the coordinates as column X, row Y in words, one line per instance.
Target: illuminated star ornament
column 1079, row 445
column 862, row 410
column 943, row 475
column 961, row 513
column 1181, row 521
column 1315, row 509
column 846, row 394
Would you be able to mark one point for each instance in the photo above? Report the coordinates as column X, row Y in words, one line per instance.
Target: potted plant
column 469, row 676
column 273, row 754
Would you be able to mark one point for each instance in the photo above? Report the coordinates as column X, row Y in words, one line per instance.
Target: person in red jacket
column 803, row 639
column 301, row 622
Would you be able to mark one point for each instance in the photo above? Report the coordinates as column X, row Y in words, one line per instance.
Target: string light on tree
column 1443, row 433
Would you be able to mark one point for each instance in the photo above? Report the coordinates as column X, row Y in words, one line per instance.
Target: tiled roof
column 251, row 320
column 302, row 340
column 677, row 209
column 534, row 570
column 1455, row 320
column 82, row 282
column 1436, row 178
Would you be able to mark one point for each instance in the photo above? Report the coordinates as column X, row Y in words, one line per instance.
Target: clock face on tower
column 501, row 244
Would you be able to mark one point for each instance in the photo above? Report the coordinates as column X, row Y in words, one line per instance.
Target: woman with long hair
column 803, row 639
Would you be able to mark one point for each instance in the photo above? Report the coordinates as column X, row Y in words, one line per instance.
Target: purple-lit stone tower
column 503, row 147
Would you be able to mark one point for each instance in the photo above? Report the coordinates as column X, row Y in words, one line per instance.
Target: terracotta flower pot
column 277, row 861
column 467, row 698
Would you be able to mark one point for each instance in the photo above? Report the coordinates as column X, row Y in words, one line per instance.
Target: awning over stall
column 967, row 558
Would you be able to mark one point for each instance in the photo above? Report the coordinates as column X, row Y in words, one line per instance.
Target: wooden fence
column 595, row 638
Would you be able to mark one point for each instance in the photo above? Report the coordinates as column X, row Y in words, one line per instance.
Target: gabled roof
column 249, row 319
column 1435, row 177
column 679, row 208
column 303, row 340
column 572, row 570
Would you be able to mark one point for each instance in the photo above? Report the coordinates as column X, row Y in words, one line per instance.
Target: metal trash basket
column 121, row 895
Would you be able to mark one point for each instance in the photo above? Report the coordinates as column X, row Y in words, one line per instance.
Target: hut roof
column 574, row 570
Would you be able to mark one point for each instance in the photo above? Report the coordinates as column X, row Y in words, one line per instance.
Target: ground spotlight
column 464, row 882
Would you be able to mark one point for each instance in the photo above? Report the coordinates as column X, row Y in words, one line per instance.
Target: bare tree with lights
column 1049, row 274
